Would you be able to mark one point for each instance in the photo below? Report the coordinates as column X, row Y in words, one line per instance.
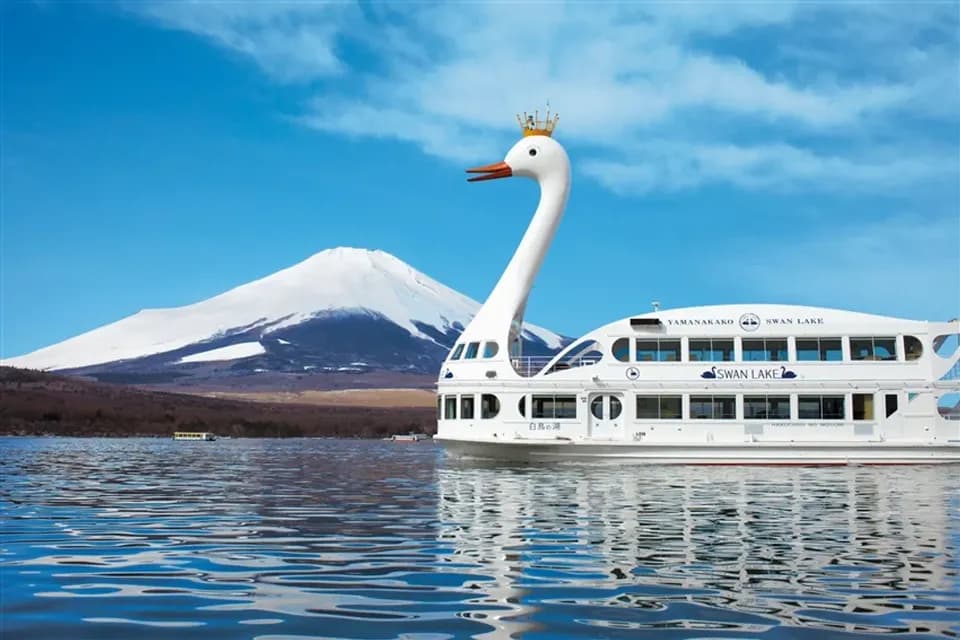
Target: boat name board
column 747, row 322
column 544, row 426
column 748, row 373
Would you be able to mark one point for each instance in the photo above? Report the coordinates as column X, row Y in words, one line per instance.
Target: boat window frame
column 659, row 351
column 765, row 349
column 555, row 413
column 820, row 398
column 872, row 357
column 711, row 349
column 450, row 400
column 661, row 405
column 769, row 400
column 617, row 345
column 821, row 349
column 485, row 413
column 714, row 397
column 457, row 352
column 473, row 349
column 912, row 356
column 467, row 401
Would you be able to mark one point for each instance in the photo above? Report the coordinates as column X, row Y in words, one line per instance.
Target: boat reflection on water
column 756, row 551
column 148, row 539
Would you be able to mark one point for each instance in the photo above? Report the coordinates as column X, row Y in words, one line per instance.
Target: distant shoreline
column 40, row 404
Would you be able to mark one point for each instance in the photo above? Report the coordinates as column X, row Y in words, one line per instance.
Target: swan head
column 537, row 157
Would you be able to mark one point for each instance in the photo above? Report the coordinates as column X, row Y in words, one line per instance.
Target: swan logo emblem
column 633, row 373
column 749, row 322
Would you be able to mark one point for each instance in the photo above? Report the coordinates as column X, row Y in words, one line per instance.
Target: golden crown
column 532, row 125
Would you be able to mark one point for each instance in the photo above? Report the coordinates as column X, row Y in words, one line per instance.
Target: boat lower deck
column 811, row 453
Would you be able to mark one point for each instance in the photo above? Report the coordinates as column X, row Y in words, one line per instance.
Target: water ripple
column 352, row 539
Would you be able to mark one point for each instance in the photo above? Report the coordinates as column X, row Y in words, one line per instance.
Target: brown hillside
column 34, row 403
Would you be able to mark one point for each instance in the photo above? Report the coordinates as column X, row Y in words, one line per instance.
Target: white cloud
column 291, row 41
column 668, row 166
column 809, row 95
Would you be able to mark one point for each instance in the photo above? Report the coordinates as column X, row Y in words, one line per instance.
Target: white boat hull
column 717, row 454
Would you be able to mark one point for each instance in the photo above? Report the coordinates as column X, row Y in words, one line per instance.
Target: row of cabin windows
column 765, row 349
column 670, row 407
column 541, row 406
column 490, row 349
column 448, row 404
column 761, row 407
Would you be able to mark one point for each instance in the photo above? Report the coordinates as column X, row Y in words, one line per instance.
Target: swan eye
column 533, row 152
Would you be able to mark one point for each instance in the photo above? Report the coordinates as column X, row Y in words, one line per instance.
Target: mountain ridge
column 369, row 299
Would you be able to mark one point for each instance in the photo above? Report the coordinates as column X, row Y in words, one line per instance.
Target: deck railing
column 528, row 366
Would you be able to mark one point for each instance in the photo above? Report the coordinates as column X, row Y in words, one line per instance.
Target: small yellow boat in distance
column 194, row 435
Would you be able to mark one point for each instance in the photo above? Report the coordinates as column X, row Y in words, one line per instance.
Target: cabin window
column 616, row 408
column 553, row 407
column 456, row 352
column 439, row 408
column 711, row 350
column 466, row 407
column 821, row 408
column 891, row 403
column 654, row 350
column 490, row 349
column 766, row 407
column 522, row 406
column 659, row 407
column 873, row 348
column 713, row 407
column 863, row 406
column 472, row 350
column 621, row 349
column 765, row 349
column 912, row 348
column 596, row 407
column 489, row 406
column 450, row 407
column 823, row 349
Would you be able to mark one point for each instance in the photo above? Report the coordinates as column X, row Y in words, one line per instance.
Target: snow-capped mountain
column 341, row 309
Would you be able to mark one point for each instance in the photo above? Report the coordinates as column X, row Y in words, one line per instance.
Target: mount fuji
column 342, row 310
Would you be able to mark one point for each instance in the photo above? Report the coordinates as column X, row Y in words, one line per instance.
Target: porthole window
column 523, row 406
column 489, row 406
column 490, row 349
column 616, row 407
column 621, row 349
column 596, row 407
column 912, row 348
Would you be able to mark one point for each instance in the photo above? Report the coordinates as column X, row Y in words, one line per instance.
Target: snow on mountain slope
column 332, row 280
column 232, row 352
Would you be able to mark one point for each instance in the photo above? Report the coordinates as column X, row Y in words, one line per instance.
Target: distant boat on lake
column 194, row 435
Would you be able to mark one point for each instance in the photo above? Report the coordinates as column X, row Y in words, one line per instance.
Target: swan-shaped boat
column 725, row 384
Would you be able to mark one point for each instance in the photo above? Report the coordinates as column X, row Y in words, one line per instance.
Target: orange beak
column 491, row 172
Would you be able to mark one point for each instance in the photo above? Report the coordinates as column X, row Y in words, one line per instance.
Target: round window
column 596, row 407
column 621, row 349
column 615, row 408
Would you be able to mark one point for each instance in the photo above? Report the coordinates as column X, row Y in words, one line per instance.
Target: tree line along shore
column 38, row 403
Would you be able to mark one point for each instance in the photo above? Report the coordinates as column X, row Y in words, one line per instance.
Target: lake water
column 145, row 538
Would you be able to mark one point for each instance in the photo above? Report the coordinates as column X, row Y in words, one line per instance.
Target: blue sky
column 155, row 154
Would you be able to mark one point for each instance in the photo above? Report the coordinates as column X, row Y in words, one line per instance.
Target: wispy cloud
column 291, row 41
column 808, row 95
